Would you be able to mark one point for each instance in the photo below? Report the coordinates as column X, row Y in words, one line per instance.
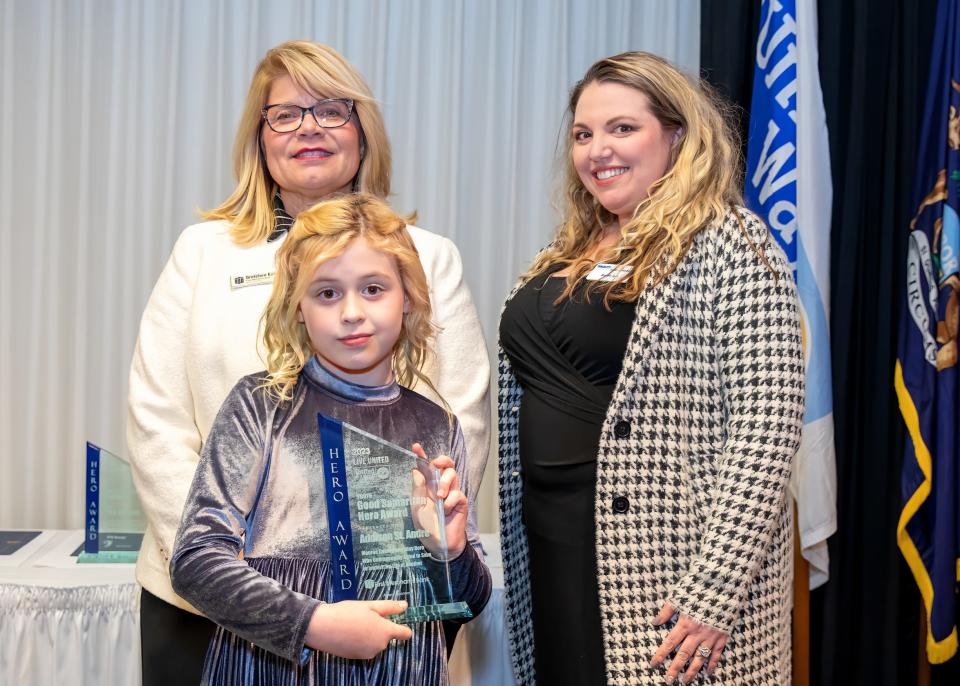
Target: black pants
column 173, row 642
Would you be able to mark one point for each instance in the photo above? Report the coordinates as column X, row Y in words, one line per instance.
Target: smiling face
column 311, row 163
column 353, row 310
column 619, row 147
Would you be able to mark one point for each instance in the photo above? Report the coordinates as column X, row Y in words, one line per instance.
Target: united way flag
column 926, row 371
column 788, row 184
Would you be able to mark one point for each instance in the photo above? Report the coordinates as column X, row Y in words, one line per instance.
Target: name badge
column 604, row 271
column 251, row 280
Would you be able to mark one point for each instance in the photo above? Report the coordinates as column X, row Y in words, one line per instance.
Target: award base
column 430, row 613
column 111, row 558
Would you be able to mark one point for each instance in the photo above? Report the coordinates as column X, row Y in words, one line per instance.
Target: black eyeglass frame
column 312, row 110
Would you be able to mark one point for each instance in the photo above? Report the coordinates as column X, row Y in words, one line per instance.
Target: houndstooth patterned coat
column 692, row 468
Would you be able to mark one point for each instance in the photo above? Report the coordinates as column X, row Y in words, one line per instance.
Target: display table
column 68, row 623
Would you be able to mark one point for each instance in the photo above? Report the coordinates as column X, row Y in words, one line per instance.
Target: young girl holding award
column 348, row 322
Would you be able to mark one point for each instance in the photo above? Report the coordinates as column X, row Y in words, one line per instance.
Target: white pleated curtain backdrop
column 116, row 125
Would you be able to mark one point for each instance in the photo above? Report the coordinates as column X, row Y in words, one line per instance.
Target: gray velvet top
column 252, row 552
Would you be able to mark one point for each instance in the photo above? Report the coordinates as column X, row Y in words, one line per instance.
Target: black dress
column 567, row 358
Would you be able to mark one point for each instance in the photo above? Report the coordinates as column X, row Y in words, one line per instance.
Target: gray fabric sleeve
column 461, row 460
column 207, row 568
column 470, row 579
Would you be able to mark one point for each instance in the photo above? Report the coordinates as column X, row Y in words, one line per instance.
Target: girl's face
column 619, row 147
column 353, row 309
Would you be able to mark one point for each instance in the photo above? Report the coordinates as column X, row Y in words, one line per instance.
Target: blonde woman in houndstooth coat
column 651, row 399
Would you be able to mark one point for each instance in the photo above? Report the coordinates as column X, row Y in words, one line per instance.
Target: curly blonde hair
column 697, row 190
column 323, row 72
column 322, row 233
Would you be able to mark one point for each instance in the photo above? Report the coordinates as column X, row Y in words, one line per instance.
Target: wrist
column 318, row 626
column 452, row 555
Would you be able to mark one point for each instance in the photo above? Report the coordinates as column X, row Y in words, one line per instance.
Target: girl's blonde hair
column 322, row 233
column 697, row 190
column 323, row 72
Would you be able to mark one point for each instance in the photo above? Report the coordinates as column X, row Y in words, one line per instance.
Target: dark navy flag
column 926, row 372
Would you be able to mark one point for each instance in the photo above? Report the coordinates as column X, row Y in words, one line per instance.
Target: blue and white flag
column 789, row 185
column 927, row 376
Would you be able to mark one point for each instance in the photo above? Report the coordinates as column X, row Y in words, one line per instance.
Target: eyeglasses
column 330, row 114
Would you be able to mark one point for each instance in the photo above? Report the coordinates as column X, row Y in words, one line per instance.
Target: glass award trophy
column 115, row 521
column 387, row 539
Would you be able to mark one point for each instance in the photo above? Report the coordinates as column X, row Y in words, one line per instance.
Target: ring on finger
column 704, row 651
column 683, row 655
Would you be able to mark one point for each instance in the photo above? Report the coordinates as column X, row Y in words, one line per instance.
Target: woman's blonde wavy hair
column 698, row 189
column 323, row 72
column 322, row 233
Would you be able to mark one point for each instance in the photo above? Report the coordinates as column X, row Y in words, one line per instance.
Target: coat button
column 621, row 429
column 620, row 504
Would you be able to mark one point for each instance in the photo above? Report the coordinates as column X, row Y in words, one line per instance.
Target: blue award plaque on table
column 387, row 539
column 114, row 519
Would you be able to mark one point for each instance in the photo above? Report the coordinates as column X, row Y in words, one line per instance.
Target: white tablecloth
column 76, row 624
column 67, row 623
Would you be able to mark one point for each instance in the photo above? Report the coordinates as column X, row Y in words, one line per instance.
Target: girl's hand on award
column 454, row 507
column 356, row 629
column 698, row 647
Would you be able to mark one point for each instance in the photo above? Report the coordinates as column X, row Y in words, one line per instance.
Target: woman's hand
column 356, row 629
column 454, row 506
column 697, row 645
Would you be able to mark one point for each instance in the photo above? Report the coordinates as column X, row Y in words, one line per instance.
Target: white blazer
column 198, row 337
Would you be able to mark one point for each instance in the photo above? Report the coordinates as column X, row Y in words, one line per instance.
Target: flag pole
column 801, row 610
column 923, row 664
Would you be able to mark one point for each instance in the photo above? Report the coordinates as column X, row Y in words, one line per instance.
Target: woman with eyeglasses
column 310, row 130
